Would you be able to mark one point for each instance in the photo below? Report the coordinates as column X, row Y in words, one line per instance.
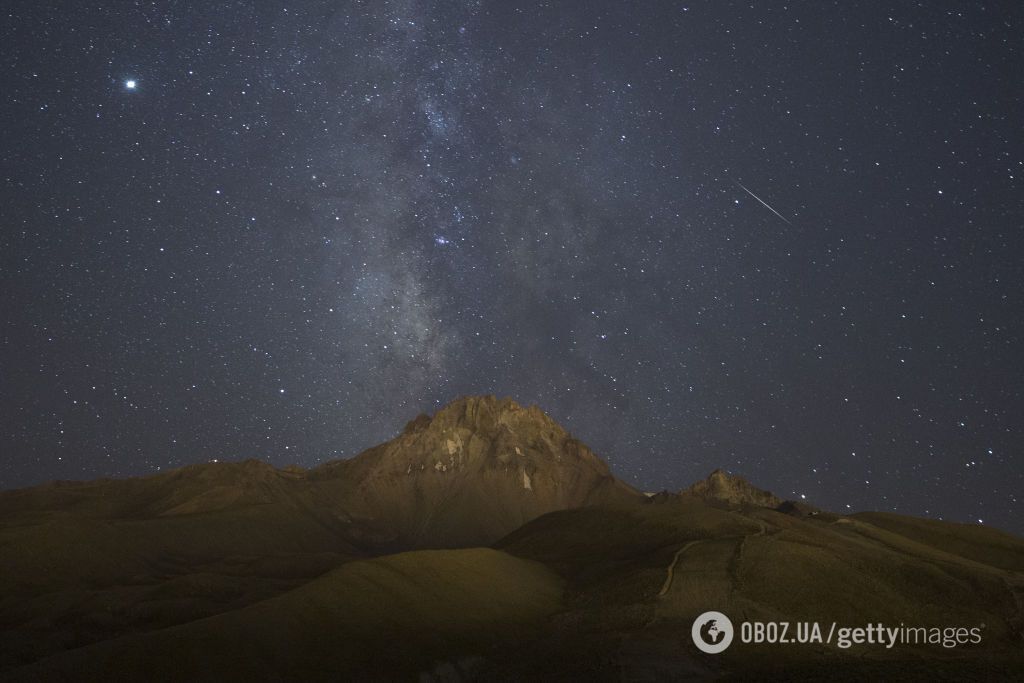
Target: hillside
column 541, row 566
column 375, row 619
column 83, row 562
column 638, row 575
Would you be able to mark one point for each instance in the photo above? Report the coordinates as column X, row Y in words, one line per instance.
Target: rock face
column 727, row 488
column 473, row 472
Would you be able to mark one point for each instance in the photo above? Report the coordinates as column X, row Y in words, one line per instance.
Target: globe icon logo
column 712, row 632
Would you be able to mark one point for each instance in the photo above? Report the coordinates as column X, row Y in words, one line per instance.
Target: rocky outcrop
column 477, row 469
column 728, row 488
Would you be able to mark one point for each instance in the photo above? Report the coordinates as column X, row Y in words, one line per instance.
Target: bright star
column 130, row 84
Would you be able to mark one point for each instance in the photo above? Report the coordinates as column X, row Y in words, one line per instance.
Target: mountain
column 481, row 543
column 86, row 561
column 470, row 474
column 733, row 490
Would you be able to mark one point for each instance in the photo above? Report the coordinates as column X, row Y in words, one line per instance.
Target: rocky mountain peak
column 476, row 469
column 732, row 489
column 475, row 428
column 489, row 413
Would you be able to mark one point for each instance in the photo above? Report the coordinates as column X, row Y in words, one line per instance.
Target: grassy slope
column 399, row 614
column 975, row 542
column 759, row 564
column 218, row 560
column 71, row 580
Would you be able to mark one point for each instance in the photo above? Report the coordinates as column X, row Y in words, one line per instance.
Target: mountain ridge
column 476, row 469
column 236, row 561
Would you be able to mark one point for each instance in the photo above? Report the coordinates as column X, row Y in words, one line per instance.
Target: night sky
column 785, row 240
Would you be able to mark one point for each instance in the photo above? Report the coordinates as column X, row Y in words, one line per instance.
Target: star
column 482, row 186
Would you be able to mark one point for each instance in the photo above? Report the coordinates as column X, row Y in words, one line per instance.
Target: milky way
column 282, row 231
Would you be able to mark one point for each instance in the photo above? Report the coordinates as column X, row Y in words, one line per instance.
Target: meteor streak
column 762, row 201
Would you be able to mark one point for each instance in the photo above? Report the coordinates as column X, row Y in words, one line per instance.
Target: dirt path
column 670, row 572
column 672, row 568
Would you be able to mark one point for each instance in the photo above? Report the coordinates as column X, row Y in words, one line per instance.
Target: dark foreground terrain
column 483, row 543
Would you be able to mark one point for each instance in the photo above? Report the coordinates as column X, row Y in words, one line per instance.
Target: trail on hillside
column 672, row 568
column 670, row 572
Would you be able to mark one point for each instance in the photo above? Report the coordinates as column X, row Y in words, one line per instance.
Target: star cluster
column 280, row 230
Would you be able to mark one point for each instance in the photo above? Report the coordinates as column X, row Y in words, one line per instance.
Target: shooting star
column 762, row 201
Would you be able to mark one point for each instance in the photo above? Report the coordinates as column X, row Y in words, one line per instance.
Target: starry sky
column 781, row 239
